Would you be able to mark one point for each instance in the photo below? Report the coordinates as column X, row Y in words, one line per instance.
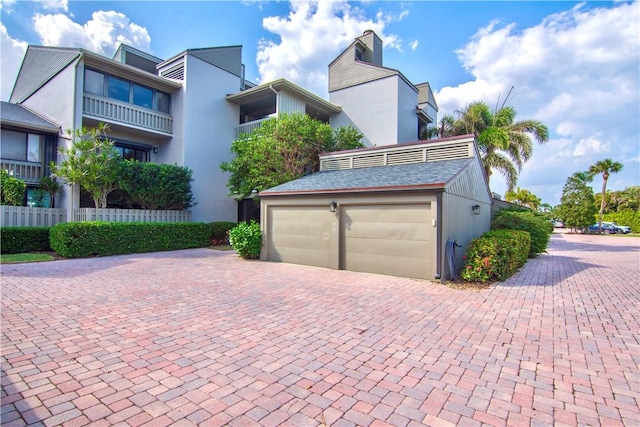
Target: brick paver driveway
column 203, row 337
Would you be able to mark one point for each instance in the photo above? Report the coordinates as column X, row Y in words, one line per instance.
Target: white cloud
column 5, row 5
column 577, row 71
column 312, row 35
column 102, row 33
column 12, row 54
column 54, row 5
column 414, row 44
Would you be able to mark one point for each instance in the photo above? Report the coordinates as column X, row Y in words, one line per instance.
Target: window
column 118, row 89
column 94, row 82
column 358, row 54
column 21, row 146
column 123, row 90
column 142, row 96
column 129, row 153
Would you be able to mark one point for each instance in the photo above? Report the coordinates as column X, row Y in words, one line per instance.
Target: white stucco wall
column 208, row 122
column 372, row 108
column 407, row 115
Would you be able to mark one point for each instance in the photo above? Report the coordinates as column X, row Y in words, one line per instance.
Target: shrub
column 157, row 186
column 85, row 239
column 246, row 239
column 12, row 190
column 496, row 255
column 630, row 218
column 17, row 240
column 220, row 232
column 539, row 228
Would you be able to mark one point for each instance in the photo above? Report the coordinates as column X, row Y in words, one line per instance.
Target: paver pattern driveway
column 204, row 337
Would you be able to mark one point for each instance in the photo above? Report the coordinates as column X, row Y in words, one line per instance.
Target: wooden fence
column 24, row 216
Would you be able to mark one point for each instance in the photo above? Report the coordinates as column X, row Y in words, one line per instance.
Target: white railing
column 249, row 127
column 130, row 215
column 26, row 171
column 122, row 112
column 24, row 216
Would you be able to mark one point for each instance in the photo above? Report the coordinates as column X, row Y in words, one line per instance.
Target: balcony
column 26, row 171
column 114, row 111
column 249, row 127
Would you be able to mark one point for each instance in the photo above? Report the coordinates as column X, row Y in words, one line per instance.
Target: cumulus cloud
column 414, row 44
column 12, row 54
column 54, row 5
column 312, row 35
column 577, row 71
column 102, row 33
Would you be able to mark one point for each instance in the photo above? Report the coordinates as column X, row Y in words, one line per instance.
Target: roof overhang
column 432, row 186
column 267, row 89
column 30, row 126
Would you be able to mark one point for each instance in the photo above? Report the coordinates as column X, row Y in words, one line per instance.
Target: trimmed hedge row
column 496, row 255
column 86, row 239
column 15, row 240
column 220, row 232
column 539, row 228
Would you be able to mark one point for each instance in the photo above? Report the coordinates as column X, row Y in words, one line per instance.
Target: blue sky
column 574, row 66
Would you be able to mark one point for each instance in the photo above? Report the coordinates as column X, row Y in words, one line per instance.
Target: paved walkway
column 203, row 337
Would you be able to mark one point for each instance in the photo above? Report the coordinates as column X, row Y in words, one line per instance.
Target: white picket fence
column 24, row 216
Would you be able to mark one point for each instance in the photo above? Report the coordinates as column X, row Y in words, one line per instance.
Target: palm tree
column 524, row 198
column 605, row 167
column 505, row 144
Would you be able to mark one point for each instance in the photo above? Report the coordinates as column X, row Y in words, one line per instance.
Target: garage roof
column 17, row 115
column 416, row 176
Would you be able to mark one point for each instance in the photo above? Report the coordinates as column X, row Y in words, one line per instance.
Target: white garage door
column 388, row 239
column 300, row 234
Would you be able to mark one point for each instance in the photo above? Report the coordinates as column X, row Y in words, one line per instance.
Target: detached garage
column 386, row 210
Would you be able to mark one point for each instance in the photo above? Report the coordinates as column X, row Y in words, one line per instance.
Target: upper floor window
column 359, row 54
column 21, row 146
column 123, row 90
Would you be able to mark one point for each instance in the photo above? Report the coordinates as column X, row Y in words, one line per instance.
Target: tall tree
column 605, row 167
column 523, row 197
column 282, row 149
column 576, row 208
column 91, row 162
column 505, row 144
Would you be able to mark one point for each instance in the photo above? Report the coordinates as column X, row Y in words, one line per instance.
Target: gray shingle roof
column 380, row 178
column 17, row 115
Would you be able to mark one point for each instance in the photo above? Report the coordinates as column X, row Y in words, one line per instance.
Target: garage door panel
column 300, row 235
column 388, row 239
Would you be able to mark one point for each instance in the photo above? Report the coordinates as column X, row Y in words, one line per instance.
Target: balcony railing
column 121, row 112
column 26, row 171
column 249, row 126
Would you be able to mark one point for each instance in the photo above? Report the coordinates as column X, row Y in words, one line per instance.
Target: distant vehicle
column 557, row 224
column 624, row 229
column 606, row 229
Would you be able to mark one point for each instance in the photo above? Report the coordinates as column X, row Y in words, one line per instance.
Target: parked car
column 557, row 224
column 606, row 229
column 625, row 229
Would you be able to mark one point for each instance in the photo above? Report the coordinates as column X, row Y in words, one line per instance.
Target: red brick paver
column 201, row 337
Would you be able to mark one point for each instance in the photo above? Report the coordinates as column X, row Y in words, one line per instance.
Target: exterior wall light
column 332, row 206
column 476, row 209
column 155, row 149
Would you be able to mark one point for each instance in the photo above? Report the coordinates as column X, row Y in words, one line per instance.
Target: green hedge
column 85, row 239
column 220, row 232
column 17, row 240
column 496, row 255
column 630, row 218
column 539, row 228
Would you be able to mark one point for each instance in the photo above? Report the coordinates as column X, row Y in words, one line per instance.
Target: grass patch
column 23, row 258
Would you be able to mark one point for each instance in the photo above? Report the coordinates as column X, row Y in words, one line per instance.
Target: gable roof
column 416, row 176
column 18, row 116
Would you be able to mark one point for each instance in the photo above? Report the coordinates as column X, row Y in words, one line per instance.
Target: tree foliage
column 504, row 143
column 620, row 201
column 156, row 186
column 523, row 197
column 12, row 190
column 91, row 162
column 605, row 168
column 577, row 209
column 283, row 149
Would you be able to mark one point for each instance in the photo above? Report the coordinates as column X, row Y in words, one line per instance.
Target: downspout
column 277, row 98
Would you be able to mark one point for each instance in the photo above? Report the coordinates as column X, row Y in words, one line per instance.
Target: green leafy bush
column 85, row 239
column 220, row 232
column 12, row 190
column 246, row 239
column 630, row 218
column 539, row 228
column 17, row 240
column 496, row 255
column 156, row 186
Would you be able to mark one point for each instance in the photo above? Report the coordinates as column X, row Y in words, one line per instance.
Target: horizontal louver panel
column 448, row 153
column 368, row 161
column 335, row 164
column 175, row 73
column 403, row 158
